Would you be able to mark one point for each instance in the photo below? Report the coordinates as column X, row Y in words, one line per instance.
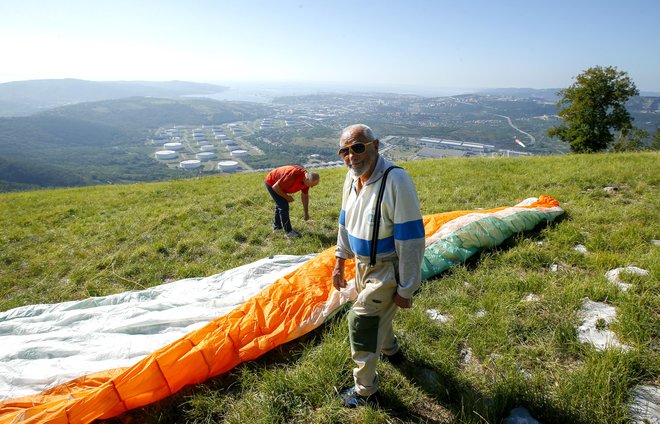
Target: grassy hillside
column 497, row 352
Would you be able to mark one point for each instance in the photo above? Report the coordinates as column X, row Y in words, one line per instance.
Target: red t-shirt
column 290, row 178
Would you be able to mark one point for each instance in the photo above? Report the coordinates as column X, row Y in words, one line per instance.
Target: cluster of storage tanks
column 170, row 140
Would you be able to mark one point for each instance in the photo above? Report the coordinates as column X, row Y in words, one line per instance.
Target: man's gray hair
column 313, row 177
column 360, row 131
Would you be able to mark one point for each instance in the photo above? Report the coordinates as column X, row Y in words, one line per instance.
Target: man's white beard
column 358, row 172
column 354, row 174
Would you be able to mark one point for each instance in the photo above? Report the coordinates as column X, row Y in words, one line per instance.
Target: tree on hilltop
column 592, row 107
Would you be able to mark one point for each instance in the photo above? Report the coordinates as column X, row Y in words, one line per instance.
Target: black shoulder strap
column 374, row 235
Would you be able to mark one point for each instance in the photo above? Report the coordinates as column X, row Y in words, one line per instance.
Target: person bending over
column 281, row 183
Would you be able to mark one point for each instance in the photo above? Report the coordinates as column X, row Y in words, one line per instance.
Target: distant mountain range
column 22, row 98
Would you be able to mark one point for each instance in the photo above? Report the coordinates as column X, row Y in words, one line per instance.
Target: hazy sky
column 435, row 44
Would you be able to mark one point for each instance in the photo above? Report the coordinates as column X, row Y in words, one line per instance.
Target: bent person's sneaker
column 351, row 399
column 292, row 234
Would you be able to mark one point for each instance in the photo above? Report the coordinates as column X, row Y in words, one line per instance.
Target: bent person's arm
column 277, row 189
column 304, row 197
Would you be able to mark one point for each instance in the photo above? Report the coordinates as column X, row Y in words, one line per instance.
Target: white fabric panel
column 42, row 346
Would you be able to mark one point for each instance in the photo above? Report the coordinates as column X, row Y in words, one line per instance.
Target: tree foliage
column 631, row 142
column 655, row 143
column 593, row 107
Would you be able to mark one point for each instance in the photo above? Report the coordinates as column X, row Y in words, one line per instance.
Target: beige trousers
column 370, row 321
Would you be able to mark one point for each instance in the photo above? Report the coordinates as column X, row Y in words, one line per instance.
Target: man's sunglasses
column 355, row 148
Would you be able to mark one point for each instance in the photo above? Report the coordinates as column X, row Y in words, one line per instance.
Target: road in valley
column 532, row 140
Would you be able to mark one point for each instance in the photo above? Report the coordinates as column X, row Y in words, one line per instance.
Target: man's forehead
column 350, row 137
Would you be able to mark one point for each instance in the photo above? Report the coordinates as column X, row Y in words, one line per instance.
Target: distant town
column 410, row 128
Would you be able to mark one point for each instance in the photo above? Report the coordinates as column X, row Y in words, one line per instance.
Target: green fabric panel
column 485, row 233
column 363, row 332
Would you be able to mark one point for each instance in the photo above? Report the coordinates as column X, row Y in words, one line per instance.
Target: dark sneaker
column 351, row 399
column 396, row 359
column 292, row 234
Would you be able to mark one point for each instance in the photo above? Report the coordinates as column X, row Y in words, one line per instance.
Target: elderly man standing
column 388, row 267
column 281, row 183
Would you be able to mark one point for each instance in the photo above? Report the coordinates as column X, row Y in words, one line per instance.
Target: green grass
column 59, row 245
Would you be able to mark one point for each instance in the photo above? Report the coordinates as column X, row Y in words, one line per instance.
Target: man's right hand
column 402, row 302
column 338, row 280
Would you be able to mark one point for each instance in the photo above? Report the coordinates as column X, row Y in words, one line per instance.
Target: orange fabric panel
column 275, row 316
column 101, row 401
column 182, row 363
column 142, row 383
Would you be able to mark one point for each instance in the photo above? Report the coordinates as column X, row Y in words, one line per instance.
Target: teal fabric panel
column 485, row 233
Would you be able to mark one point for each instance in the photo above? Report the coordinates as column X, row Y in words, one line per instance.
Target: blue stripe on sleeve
column 342, row 217
column 362, row 247
column 409, row 230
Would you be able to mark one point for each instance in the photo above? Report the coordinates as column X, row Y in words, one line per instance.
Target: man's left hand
column 402, row 302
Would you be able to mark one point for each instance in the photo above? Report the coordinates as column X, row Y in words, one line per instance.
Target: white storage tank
column 190, row 164
column 165, row 154
column 205, row 155
column 228, row 165
column 239, row 153
column 173, row 146
column 203, row 143
column 232, row 147
column 207, row 148
column 228, row 142
column 220, row 136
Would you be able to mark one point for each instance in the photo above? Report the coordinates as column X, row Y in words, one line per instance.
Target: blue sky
column 417, row 43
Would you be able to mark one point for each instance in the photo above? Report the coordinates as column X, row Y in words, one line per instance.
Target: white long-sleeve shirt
column 401, row 231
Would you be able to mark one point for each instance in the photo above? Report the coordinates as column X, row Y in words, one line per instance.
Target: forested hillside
column 99, row 142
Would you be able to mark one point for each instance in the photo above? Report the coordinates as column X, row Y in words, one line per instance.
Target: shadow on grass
column 458, row 401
